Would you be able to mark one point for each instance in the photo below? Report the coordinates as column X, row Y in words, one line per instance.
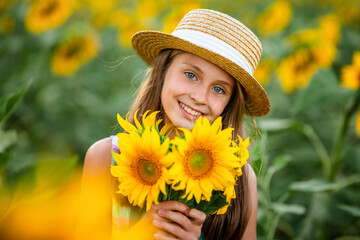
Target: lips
column 190, row 110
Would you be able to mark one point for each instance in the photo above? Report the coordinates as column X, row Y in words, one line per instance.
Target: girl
column 204, row 68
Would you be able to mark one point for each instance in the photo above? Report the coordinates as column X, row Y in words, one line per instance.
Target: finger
column 172, row 228
column 174, row 206
column 162, row 235
column 197, row 217
column 176, row 217
column 153, row 210
column 158, row 217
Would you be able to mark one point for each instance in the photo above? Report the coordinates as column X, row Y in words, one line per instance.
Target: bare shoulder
column 98, row 157
column 251, row 177
column 252, row 186
column 250, row 231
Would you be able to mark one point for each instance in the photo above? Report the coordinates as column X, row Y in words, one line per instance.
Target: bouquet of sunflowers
column 198, row 168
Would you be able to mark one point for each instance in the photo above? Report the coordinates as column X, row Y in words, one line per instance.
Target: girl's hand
column 176, row 221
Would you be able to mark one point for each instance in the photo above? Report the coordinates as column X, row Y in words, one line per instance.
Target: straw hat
column 219, row 39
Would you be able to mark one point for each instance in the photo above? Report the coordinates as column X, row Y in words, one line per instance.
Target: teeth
column 189, row 110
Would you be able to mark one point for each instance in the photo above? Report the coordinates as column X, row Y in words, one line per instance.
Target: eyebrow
column 194, row 66
column 225, row 83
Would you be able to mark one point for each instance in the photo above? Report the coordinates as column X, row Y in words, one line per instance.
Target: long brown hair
column 232, row 224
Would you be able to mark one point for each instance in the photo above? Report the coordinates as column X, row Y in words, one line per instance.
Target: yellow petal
column 197, row 195
column 149, row 202
column 138, row 125
column 143, row 196
column 167, row 128
column 128, row 127
column 222, row 210
column 217, row 124
column 155, row 193
column 190, row 185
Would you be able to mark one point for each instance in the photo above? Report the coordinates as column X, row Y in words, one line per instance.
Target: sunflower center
column 148, row 172
column 199, row 163
column 305, row 63
column 73, row 49
column 50, row 8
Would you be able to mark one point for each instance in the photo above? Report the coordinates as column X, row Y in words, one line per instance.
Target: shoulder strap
column 115, row 147
column 123, row 213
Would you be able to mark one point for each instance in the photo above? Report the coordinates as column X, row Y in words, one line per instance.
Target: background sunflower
column 44, row 15
column 72, row 54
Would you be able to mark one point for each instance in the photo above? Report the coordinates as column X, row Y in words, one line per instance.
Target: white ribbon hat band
column 215, row 45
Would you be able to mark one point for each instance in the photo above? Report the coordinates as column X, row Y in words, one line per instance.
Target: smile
column 190, row 110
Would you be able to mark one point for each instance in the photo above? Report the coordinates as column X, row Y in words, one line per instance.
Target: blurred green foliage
column 307, row 156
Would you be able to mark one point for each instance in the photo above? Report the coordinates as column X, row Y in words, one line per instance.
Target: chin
column 189, row 125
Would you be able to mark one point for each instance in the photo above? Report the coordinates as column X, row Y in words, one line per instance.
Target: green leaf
column 352, row 210
column 313, row 185
column 7, row 139
column 4, row 159
column 347, row 238
column 288, row 208
column 216, row 202
column 317, row 185
column 274, row 124
column 8, row 103
column 280, row 162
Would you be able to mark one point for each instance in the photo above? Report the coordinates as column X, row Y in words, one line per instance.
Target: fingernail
column 156, row 222
column 161, row 212
column 156, row 236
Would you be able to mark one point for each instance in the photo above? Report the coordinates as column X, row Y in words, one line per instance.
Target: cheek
column 166, row 89
column 218, row 106
column 175, row 86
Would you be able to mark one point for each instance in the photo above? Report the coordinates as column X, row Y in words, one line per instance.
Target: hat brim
column 148, row 44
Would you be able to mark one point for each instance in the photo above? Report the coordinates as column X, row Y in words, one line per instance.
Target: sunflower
column 47, row 14
column 73, row 53
column 319, row 42
column 276, row 17
column 263, row 71
column 350, row 75
column 222, row 210
column 149, row 9
column 204, row 160
column 127, row 24
column 181, row 8
column 242, row 153
column 296, row 70
column 329, row 29
column 148, row 121
column 7, row 24
column 142, row 166
column 99, row 11
column 329, row 32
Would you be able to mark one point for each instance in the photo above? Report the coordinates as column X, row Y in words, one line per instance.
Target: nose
column 199, row 94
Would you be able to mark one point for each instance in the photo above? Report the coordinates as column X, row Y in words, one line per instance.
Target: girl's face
column 194, row 87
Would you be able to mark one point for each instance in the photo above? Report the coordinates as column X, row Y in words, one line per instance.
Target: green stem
column 310, row 133
column 276, row 217
column 273, row 227
column 337, row 149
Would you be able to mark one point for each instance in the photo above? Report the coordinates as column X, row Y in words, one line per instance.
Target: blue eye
column 190, row 75
column 219, row 90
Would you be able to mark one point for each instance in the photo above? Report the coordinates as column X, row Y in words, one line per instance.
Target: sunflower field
column 67, row 68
